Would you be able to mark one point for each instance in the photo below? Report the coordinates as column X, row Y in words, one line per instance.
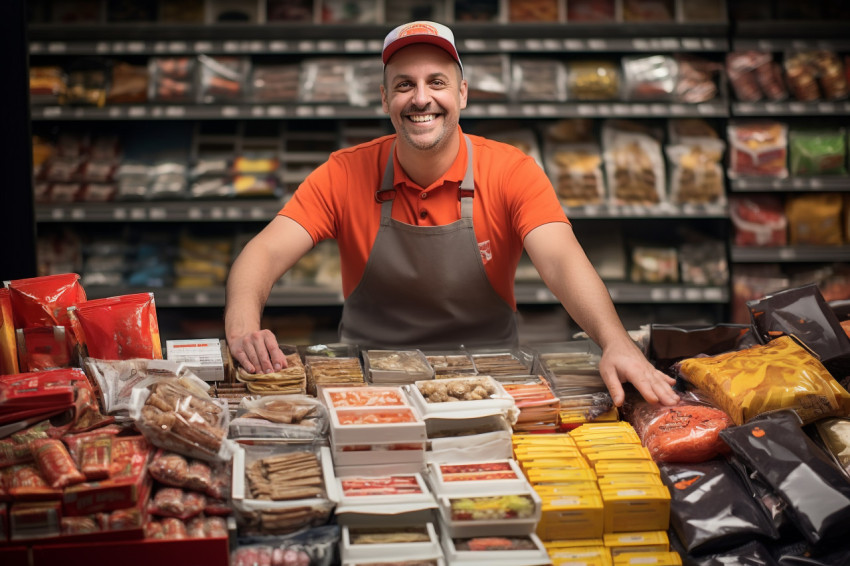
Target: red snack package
column 174, row 529
column 96, row 458
column 43, row 348
column 169, row 468
column 74, row 442
column 198, row 476
column 35, row 394
column 25, row 482
column 8, row 348
column 688, row 432
column 55, row 463
column 759, row 220
column 119, row 328
column 43, row 301
column 758, row 149
column 15, row 449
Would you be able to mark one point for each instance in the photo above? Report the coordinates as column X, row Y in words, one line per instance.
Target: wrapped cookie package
column 634, row 165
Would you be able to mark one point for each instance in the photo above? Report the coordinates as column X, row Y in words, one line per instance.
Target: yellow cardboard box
column 635, row 509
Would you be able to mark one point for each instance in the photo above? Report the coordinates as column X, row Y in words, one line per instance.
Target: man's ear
column 384, row 104
column 464, row 90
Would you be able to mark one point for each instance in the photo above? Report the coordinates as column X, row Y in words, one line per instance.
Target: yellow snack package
column 778, row 375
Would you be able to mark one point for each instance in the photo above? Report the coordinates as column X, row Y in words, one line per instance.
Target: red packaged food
column 44, row 301
column 96, row 458
column 55, row 463
column 8, row 348
column 169, row 468
column 43, row 348
column 759, row 220
column 758, row 149
column 74, row 442
column 24, row 482
column 119, row 328
column 198, row 476
column 686, row 433
column 36, row 394
column 174, row 529
column 15, row 448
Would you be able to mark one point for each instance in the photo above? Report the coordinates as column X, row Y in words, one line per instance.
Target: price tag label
column 57, row 47
column 255, row 212
column 640, row 109
column 798, row 108
column 676, row 294
column 256, row 46
column 229, row 111
column 543, row 295
column 497, row 110
column 706, row 109
column 137, row 111
column 659, row 109
column 689, row 44
column 100, row 47
column 157, row 213
column 258, row 111
column 787, row 254
column 585, row 109
column 534, row 45
column 38, row 47
column 307, row 46
column 678, row 110
column 597, row 44
column 195, row 213
column 57, row 214
column 178, row 47
column 114, row 112
column 639, row 44
column 327, row 45
column 175, row 111
column 78, row 213
column 119, row 213
column 303, row 111
column 508, row 45
column 203, row 46
column 551, row 45
column 547, row 110
column 826, row 108
column 231, row 46
column 620, row 109
column 528, row 110
column 713, row 294
column 216, row 213
column 119, row 47
column 135, row 46
column 669, row 44
column 355, row 45
column 657, row 294
column 202, row 298
column 325, row 111
column 137, row 214
column 574, row 45
column 276, row 111
column 692, row 294
column 160, row 47
column 278, row 46
column 234, row 213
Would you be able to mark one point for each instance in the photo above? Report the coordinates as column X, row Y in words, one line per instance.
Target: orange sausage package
column 781, row 374
column 8, row 347
column 119, row 328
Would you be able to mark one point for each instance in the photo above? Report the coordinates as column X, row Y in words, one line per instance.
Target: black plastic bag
column 803, row 313
column 798, row 470
column 710, row 508
column 669, row 344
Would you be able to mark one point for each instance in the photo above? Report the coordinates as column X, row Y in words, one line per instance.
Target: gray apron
column 425, row 286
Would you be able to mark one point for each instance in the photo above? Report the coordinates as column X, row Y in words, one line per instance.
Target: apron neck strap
column 466, row 190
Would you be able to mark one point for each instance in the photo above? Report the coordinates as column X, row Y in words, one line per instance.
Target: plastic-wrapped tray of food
column 473, row 439
column 281, row 488
column 325, row 371
column 280, row 417
column 396, row 366
column 372, row 414
column 478, row 394
column 494, row 514
column 395, row 562
column 507, row 550
column 383, row 500
column 450, row 362
column 383, row 543
column 502, row 362
column 472, row 477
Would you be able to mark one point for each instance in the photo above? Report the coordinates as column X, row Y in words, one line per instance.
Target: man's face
column 423, row 93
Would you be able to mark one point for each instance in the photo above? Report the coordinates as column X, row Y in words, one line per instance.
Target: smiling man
column 431, row 224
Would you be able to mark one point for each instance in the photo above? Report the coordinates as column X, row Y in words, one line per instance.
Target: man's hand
column 627, row 364
column 257, row 352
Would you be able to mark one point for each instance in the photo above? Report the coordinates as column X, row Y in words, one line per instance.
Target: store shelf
column 290, row 296
column 161, row 211
column 648, row 212
column 819, row 183
column 791, row 108
column 781, row 45
column 622, row 292
column 787, row 254
column 717, row 108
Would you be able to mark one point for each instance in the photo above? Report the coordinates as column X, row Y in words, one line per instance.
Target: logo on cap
column 418, row 28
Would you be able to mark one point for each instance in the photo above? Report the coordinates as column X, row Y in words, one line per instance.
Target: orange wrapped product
column 8, row 348
column 55, row 463
column 778, row 375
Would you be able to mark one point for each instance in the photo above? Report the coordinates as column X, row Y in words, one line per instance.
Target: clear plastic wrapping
column 171, row 79
column 576, row 171
column 758, row 149
column 593, row 80
column 543, row 80
column 222, row 78
column 634, row 166
column 652, row 77
column 280, row 416
column 488, row 77
column 173, row 418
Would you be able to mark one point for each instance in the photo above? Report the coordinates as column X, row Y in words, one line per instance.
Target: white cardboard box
column 203, row 357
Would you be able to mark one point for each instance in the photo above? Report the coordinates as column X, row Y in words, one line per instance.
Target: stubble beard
column 435, row 144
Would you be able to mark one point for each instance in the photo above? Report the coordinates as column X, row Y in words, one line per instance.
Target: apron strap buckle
column 384, row 195
column 461, row 193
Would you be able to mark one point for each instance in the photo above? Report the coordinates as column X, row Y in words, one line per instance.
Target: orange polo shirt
column 512, row 197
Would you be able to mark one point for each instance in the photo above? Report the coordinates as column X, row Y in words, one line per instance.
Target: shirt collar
column 454, row 175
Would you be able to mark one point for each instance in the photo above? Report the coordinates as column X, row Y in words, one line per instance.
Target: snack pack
column 778, row 375
column 119, row 328
column 758, row 149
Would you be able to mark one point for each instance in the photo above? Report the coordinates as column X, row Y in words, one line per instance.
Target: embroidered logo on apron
column 486, row 251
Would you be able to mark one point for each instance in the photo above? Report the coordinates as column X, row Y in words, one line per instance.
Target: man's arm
column 568, row 273
column 260, row 264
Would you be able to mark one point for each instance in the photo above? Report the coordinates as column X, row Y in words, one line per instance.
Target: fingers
column 258, row 352
column 654, row 386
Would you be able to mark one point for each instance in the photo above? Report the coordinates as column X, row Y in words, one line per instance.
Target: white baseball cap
column 420, row 32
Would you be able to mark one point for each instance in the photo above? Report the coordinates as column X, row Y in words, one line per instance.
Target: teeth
column 426, row 118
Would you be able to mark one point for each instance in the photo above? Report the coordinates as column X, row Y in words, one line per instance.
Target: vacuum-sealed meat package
column 710, row 509
column 816, row 491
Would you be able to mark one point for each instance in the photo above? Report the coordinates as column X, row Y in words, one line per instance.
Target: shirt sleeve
column 531, row 198
column 315, row 205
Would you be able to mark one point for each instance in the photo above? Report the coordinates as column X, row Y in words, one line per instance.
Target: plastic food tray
column 469, row 478
column 498, row 401
column 526, row 557
column 373, row 423
column 490, row 527
column 424, row 550
column 413, row 366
